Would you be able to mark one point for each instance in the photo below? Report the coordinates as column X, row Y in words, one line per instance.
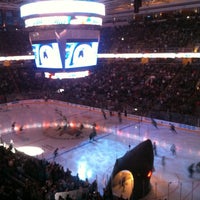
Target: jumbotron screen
column 76, row 54
column 81, row 54
column 61, row 36
column 47, row 55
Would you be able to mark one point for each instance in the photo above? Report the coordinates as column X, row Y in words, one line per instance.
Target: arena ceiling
column 118, row 6
column 123, row 10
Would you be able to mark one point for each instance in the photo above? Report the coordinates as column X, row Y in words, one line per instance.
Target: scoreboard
column 64, row 34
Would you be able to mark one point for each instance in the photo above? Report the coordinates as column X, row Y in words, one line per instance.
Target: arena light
column 149, row 174
column 61, row 7
column 12, row 58
column 188, row 55
column 150, row 55
column 123, row 55
column 67, row 75
column 30, row 150
column 84, row 171
column 159, row 55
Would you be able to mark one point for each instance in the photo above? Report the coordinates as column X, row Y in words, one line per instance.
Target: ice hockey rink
column 40, row 121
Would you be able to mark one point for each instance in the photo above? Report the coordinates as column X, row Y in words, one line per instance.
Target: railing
column 174, row 190
column 188, row 121
column 176, row 117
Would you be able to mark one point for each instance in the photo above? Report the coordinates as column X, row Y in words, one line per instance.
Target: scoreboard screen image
column 47, row 55
column 75, row 54
column 81, row 54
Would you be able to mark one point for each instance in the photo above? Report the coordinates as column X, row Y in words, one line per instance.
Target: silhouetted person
column 125, row 113
column 68, row 197
column 111, row 113
column 123, row 183
column 153, row 121
column 61, row 198
column 163, row 161
column 11, row 145
column 172, row 128
column 92, row 135
column 120, row 117
column 191, row 170
column 1, row 140
column 173, row 149
column 155, row 149
column 13, row 126
column 21, row 128
column 81, row 127
column 104, row 114
column 55, row 153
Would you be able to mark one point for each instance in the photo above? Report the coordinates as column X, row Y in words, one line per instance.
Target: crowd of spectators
column 15, row 42
column 164, row 86
column 172, row 33
column 24, row 177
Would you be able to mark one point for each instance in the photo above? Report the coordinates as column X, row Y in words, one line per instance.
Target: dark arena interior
column 98, row 105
